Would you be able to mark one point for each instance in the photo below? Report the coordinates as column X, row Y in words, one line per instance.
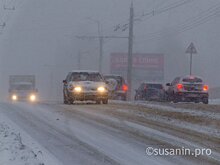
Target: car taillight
column 124, row 87
column 179, row 86
column 205, row 87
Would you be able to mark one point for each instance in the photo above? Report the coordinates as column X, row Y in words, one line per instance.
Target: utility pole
column 130, row 51
column 79, row 57
column 100, row 45
column 101, row 41
column 100, row 52
column 79, row 60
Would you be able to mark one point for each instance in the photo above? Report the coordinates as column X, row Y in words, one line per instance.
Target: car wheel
column 98, row 101
column 70, row 100
column 169, row 98
column 138, row 97
column 105, row 101
column 205, row 101
column 135, row 97
column 119, row 97
column 175, row 99
column 124, row 98
column 196, row 101
column 65, row 100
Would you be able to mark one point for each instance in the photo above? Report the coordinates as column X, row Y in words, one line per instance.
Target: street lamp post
column 100, row 42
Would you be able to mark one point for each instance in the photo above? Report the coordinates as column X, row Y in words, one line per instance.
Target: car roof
column 189, row 76
column 193, row 76
column 22, row 83
column 84, row 71
column 145, row 82
column 115, row 75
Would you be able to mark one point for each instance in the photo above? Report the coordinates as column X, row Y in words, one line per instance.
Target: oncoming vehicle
column 22, row 87
column 150, row 92
column 84, row 86
column 117, row 87
column 188, row 89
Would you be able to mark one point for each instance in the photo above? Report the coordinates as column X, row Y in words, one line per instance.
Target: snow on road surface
column 74, row 139
column 18, row 148
column 117, row 133
column 214, row 101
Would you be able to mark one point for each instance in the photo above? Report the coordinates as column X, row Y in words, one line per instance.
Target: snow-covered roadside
column 168, row 108
column 214, row 101
column 18, row 148
column 211, row 129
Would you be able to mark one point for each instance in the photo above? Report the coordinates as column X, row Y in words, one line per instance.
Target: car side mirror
column 168, row 84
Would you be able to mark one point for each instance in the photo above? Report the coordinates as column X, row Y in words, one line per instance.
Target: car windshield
column 22, row 87
column 154, row 86
column 117, row 78
column 86, row 77
column 192, row 80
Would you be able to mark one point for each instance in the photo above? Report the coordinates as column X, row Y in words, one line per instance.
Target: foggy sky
column 39, row 38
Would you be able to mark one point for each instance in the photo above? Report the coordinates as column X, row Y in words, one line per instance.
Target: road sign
column 191, row 49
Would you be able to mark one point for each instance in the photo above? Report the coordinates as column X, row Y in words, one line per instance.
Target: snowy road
column 118, row 133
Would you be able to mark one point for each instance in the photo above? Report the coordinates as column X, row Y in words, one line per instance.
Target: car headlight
column 101, row 89
column 78, row 89
column 32, row 97
column 14, row 97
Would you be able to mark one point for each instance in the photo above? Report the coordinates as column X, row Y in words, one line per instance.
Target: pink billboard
column 146, row 66
column 144, row 61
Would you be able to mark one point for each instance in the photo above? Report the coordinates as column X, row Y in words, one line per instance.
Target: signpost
column 191, row 50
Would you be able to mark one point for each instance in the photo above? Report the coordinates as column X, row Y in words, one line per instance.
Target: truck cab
column 22, row 87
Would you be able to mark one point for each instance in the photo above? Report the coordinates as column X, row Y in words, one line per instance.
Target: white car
column 84, row 86
column 188, row 89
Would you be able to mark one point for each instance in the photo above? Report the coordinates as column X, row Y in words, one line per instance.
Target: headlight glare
column 14, row 97
column 101, row 89
column 77, row 89
column 32, row 97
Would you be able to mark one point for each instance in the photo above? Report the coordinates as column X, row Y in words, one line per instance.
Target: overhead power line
column 8, row 7
column 165, row 9
column 189, row 24
column 154, row 12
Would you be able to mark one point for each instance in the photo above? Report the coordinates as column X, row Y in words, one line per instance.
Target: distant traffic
column 83, row 85
column 93, row 86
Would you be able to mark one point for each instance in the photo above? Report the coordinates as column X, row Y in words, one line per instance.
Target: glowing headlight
column 101, row 89
column 77, row 89
column 14, row 97
column 32, row 97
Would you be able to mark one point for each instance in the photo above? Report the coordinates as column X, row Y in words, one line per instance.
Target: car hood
column 87, row 84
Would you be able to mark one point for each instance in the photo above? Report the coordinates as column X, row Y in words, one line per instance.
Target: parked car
column 84, row 86
column 117, row 87
column 188, row 89
column 150, row 91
